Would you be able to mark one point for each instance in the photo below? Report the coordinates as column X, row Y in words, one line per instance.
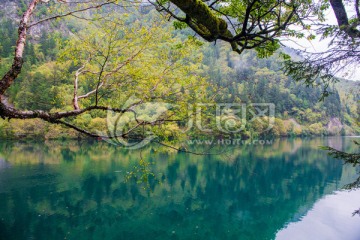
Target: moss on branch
column 204, row 18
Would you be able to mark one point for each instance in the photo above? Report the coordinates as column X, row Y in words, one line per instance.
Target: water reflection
column 329, row 219
column 78, row 190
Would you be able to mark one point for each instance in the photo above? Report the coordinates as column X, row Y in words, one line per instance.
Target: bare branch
column 15, row 69
column 71, row 13
column 77, row 73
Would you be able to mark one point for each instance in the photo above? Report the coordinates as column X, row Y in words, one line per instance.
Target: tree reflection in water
column 351, row 159
column 97, row 191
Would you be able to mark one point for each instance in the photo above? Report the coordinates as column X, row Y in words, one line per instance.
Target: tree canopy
column 261, row 25
column 100, row 55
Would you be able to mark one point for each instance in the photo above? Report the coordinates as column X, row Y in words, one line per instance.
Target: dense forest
column 222, row 76
column 179, row 119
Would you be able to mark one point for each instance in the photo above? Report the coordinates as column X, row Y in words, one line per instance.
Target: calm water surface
column 79, row 190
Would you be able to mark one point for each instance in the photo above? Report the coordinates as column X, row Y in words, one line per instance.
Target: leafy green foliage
column 142, row 56
column 349, row 158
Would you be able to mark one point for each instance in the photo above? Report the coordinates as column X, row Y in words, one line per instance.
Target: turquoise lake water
column 289, row 189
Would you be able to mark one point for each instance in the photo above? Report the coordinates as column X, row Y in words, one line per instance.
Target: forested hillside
column 47, row 79
column 251, row 79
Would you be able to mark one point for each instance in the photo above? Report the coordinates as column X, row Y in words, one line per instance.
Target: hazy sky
column 318, row 45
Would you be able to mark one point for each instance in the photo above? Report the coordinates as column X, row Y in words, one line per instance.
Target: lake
column 289, row 189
